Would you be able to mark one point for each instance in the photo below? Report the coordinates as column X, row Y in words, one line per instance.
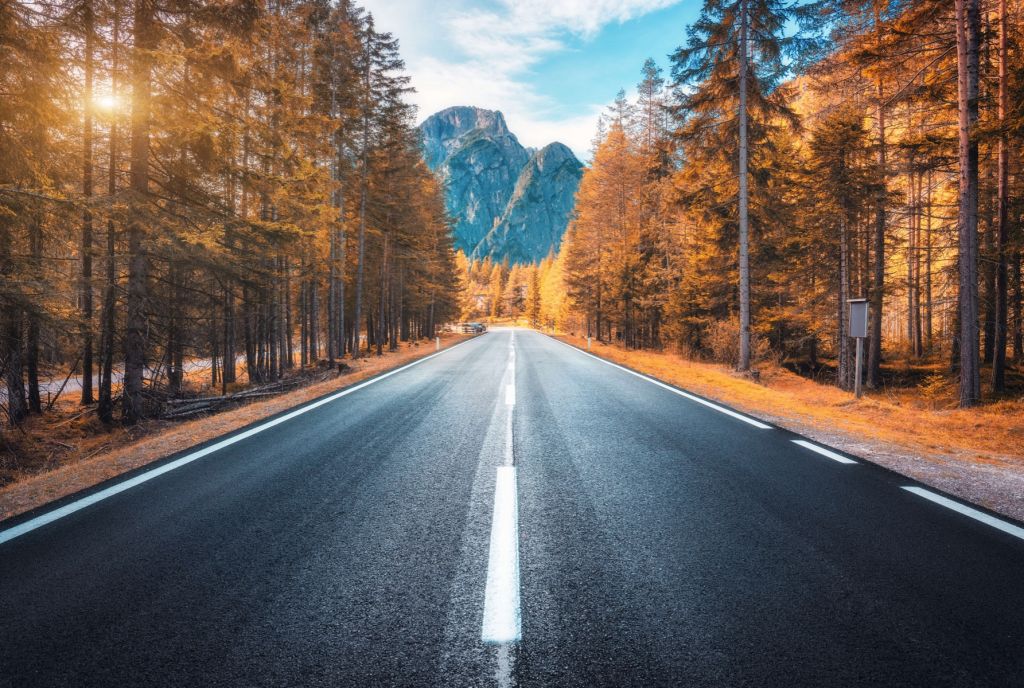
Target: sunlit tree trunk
column 874, row 368
column 968, row 27
column 87, row 245
column 844, row 296
column 928, row 305
column 145, row 39
column 744, row 359
column 105, row 408
column 1002, row 213
column 363, row 191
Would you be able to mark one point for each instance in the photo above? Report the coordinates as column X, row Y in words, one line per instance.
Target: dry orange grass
column 903, row 421
column 89, row 457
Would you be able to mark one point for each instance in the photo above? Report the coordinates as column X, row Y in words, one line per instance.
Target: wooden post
column 858, row 368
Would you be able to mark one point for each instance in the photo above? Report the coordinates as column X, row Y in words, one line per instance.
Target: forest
column 241, row 183
column 234, row 182
column 734, row 206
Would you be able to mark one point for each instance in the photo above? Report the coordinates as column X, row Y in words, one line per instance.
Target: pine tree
column 602, row 258
column 30, row 79
column 533, row 296
column 733, row 60
column 839, row 179
column 497, row 292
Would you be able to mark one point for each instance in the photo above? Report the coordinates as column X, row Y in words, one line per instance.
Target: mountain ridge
column 508, row 202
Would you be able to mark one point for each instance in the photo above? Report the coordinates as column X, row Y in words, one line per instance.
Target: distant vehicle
column 473, row 328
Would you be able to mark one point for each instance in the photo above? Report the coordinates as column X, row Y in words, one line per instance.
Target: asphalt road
column 511, row 512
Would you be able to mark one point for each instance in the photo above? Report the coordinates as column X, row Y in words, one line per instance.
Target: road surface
column 511, row 512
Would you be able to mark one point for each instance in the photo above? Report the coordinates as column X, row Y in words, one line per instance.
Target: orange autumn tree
column 602, row 256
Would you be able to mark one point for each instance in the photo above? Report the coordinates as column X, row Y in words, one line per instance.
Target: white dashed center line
column 501, row 622
column 501, row 600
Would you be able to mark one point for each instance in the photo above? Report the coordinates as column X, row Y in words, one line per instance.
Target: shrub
column 723, row 343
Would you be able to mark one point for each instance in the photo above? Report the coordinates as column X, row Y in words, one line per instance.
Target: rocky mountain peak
column 508, row 202
column 446, row 130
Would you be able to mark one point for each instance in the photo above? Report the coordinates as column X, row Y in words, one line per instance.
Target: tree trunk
column 175, row 374
column 1018, row 305
column 843, row 373
column 928, row 306
column 874, row 368
column 12, row 370
column 338, row 257
column 968, row 26
column 911, row 211
column 341, row 278
column 248, row 331
column 10, row 321
column 916, row 258
column 145, row 39
column 85, row 288
column 105, row 409
column 273, row 325
column 314, row 321
column 228, row 374
column 332, row 292
column 382, row 301
column 744, row 359
column 289, row 350
column 1002, row 215
column 35, row 239
column 303, row 315
column 363, row 191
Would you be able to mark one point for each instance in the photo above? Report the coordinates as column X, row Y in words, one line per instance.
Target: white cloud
column 582, row 17
column 484, row 56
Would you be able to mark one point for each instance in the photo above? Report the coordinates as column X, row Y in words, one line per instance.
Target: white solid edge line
column 78, row 504
column 659, row 383
column 824, row 452
column 502, row 618
column 510, row 394
column 999, row 524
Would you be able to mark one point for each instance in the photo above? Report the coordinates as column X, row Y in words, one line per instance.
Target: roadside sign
column 858, row 330
column 858, row 317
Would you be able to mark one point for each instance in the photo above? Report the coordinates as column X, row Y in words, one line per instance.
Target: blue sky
column 550, row 65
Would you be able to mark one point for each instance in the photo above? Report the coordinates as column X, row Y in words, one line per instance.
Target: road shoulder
column 132, row 449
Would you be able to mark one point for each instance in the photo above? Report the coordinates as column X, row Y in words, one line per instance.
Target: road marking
column 78, row 504
column 510, row 459
column 503, row 670
column 1000, row 524
column 659, row 383
column 502, row 621
column 510, row 400
column 824, row 452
